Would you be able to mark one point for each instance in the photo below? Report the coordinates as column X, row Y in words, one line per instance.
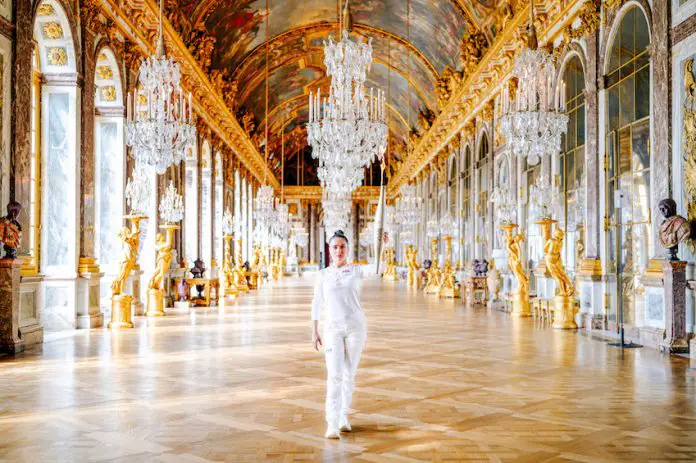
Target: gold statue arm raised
column 514, row 249
column 554, row 264
column 131, row 239
column 164, row 258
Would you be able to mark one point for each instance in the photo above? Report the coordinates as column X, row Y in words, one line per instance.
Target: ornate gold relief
column 52, row 30
column 105, row 73
column 472, row 49
column 689, row 142
column 108, row 93
column 447, row 85
column 57, row 56
column 45, row 10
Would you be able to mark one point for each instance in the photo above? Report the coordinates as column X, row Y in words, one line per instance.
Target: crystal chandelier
column 533, row 122
column 301, row 236
column 160, row 129
column 391, row 221
column 432, row 229
column 367, row 235
column 336, row 213
column 171, row 207
column 139, row 192
column 263, row 207
column 347, row 130
column 449, row 226
column 409, row 205
column 505, row 206
column 281, row 225
column 542, row 196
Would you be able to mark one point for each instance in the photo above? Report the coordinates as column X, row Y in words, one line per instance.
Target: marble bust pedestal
column 10, row 341
column 675, row 308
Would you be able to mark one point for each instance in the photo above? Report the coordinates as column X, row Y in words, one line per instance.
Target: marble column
column 10, row 341
column 592, row 217
column 660, row 129
column 20, row 167
column 675, row 307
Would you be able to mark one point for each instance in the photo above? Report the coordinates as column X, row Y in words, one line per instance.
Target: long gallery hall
column 347, row 230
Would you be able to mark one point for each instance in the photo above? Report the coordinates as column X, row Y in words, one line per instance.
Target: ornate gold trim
column 655, row 270
column 591, row 267
column 87, row 265
column 52, row 30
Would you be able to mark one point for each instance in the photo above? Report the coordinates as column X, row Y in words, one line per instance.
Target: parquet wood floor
column 438, row 382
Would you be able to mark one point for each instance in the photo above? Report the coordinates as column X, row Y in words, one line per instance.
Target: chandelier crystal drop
column 281, row 225
column 336, row 213
column 159, row 125
column 449, row 226
column 409, row 205
column 171, row 207
column 432, row 229
column 542, row 196
column 264, row 211
column 533, row 120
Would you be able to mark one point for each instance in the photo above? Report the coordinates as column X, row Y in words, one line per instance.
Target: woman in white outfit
column 337, row 293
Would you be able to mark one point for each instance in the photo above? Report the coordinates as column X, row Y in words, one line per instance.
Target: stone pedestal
column 675, row 307
column 89, row 314
column 10, row 341
column 30, row 303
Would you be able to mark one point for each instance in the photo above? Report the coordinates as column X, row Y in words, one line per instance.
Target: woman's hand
column 316, row 340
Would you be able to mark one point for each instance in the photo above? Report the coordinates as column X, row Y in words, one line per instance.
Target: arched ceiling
column 407, row 60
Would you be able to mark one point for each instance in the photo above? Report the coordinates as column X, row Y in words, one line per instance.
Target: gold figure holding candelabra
column 120, row 302
column 255, row 276
column 240, row 281
column 155, row 292
column 513, row 243
column 390, row 265
column 564, row 314
column 228, row 270
column 412, row 263
column 433, row 274
column 448, row 285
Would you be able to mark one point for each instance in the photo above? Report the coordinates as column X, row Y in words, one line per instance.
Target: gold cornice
column 208, row 102
column 463, row 107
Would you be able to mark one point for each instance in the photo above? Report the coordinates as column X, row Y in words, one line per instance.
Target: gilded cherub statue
column 11, row 230
column 689, row 83
column 131, row 239
column 164, row 258
column 554, row 264
column 674, row 229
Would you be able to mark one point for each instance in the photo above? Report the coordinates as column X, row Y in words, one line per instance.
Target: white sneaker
column 345, row 425
column 332, row 433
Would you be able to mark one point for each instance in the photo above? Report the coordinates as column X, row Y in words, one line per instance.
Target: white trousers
column 343, row 345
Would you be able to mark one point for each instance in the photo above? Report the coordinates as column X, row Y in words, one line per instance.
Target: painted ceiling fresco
column 407, row 60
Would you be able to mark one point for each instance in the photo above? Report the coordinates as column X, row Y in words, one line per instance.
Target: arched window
column 452, row 184
column 30, row 238
column 219, row 187
column 206, row 204
column 572, row 164
column 109, row 165
column 467, row 191
column 191, row 205
column 482, row 173
column 628, row 153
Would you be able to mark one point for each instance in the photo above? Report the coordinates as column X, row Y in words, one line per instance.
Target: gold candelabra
column 155, row 293
column 412, row 263
column 433, row 275
column 230, row 289
column 120, row 302
column 564, row 301
column 240, row 281
column 390, row 265
column 513, row 243
column 448, row 286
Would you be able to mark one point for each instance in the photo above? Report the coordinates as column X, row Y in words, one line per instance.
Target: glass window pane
column 625, row 36
column 640, row 140
column 641, row 30
column 572, row 131
column 581, row 126
column 624, row 163
column 643, row 93
column 611, row 155
column 627, row 101
column 580, row 165
column 641, row 196
column 613, row 108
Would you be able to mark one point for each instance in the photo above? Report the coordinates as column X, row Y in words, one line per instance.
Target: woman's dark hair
column 339, row 234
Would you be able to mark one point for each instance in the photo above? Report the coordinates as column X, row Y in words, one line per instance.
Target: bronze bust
column 11, row 230
column 674, row 229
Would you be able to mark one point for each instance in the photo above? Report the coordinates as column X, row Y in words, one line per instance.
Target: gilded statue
column 689, row 82
column 514, row 249
column 164, row 247
column 131, row 239
column 447, row 85
column 554, row 263
column 674, row 230
column 11, row 230
column 227, row 269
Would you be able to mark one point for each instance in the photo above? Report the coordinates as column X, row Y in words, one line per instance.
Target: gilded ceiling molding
column 310, row 193
column 475, row 90
column 137, row 23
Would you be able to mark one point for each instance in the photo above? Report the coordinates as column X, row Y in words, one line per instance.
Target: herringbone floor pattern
column 438, row 382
